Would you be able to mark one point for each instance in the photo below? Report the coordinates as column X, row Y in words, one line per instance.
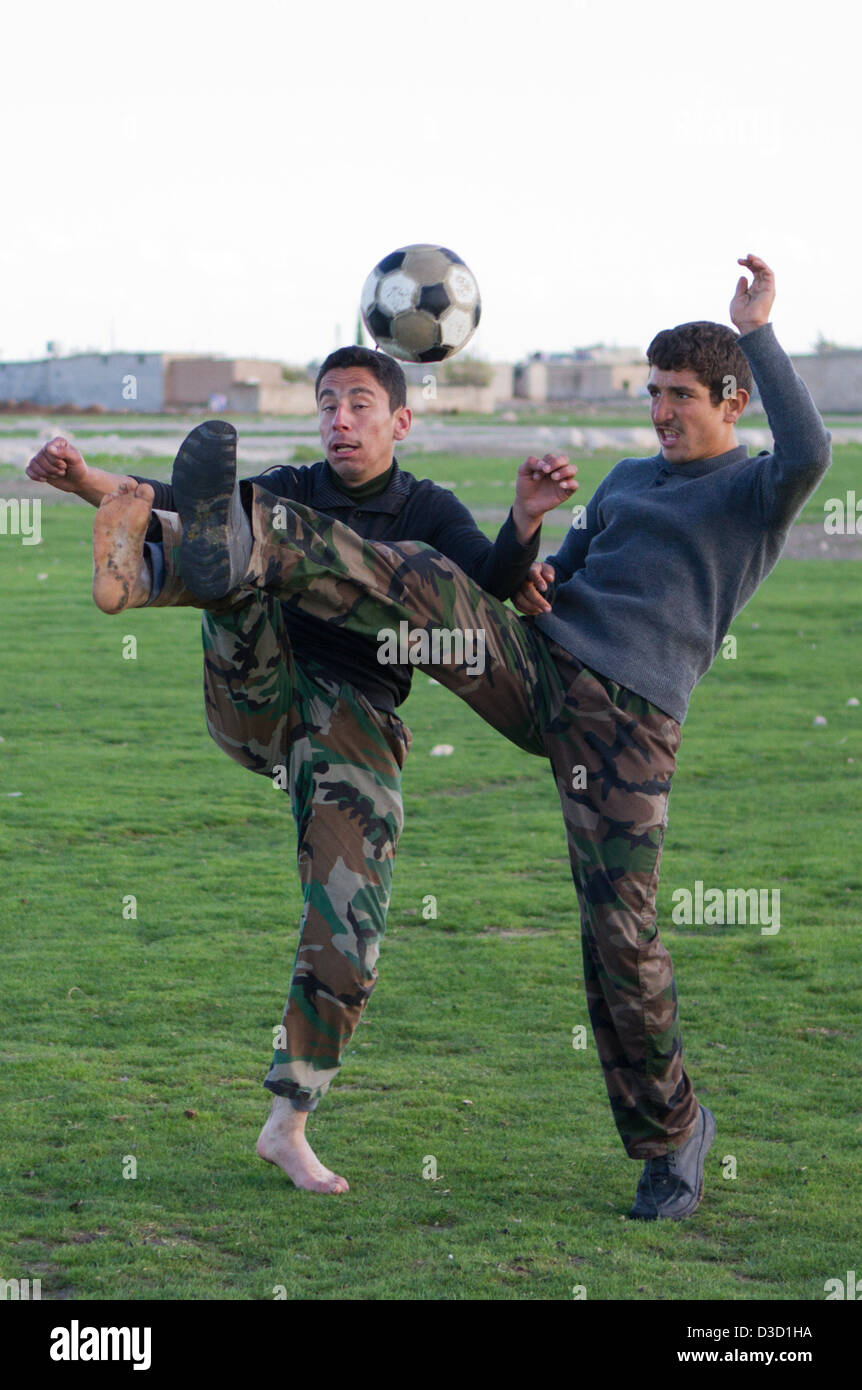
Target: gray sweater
column 646, row 591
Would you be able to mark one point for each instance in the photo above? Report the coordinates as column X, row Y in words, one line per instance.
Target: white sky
column 221, row 177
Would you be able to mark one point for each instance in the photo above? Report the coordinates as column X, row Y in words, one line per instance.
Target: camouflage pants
column 611, row 752
column 340, row 760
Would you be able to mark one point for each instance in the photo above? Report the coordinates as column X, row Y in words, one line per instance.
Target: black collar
column 390, row 501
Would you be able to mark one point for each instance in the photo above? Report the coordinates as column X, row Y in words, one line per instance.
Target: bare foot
column 282, row 1141
column 121, row 576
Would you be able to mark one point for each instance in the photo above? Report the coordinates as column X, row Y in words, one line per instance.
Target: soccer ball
column 421, row 303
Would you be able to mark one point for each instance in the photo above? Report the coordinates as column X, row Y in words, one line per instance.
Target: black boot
column 216, row 543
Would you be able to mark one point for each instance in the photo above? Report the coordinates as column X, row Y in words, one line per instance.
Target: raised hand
column 751, row 304
column 540, row 484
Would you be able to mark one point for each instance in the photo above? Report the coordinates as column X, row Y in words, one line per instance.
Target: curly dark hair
column 384, row 369
column 710, row 350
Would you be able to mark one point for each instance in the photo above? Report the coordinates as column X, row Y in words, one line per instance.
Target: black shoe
column 216, row 542
column 671, row 1186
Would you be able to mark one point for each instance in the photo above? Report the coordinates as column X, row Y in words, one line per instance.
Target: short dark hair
column 710, row 350
column 384, row 369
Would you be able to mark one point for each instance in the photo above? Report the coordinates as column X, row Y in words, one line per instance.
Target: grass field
column 147, row 1038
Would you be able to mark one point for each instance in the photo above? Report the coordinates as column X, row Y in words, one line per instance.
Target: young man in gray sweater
column 598, row 677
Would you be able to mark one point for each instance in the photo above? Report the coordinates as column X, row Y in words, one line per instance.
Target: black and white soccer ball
column 421, row 303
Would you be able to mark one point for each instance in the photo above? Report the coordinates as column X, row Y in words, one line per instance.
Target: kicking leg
column 371, row 589
column 335, row 575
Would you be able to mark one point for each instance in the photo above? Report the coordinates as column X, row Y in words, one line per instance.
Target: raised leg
column 371, row 589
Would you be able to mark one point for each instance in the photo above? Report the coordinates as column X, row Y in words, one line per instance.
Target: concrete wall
column 257, row 369
column 833, row 378
column 192, row 380
column 503, row 381
column 629, row 378
column 478, row 400
column 297, row 398
column 579, row 381
column 281, row 398
column 113, row 380
column 531, row 381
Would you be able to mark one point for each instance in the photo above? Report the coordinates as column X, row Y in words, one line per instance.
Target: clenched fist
column 59, row 463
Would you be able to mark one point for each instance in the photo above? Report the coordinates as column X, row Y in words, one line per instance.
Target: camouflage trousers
column 340, row 761
column 612, row 755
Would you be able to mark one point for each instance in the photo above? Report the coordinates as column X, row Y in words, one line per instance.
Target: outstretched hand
column 751, row 304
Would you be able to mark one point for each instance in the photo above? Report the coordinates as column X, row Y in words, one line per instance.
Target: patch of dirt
column 808, row 541
column 506, row 932
column 85, row 1237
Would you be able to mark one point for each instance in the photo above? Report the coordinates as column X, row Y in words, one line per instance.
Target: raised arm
column 801, row 453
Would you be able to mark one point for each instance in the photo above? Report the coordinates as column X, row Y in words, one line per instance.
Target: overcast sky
column 221, row 177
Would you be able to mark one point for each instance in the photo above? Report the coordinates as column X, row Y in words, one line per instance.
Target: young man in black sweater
column 305, row 700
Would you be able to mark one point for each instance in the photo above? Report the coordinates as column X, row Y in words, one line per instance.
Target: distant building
column 153, row 382
column 108, row 380
column 585, row 374
column 246, row 385
column 834, row 378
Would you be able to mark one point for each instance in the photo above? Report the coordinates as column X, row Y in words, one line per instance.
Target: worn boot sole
column 207, row 499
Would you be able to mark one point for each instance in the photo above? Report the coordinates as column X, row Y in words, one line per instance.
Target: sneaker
column 216, row 543
column 671, row 1186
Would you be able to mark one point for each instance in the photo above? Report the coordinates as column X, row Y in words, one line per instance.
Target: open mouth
column 344, row 450
column 669, row 437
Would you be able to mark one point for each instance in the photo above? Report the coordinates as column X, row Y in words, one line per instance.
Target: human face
column 358, row 429
column 687, row 423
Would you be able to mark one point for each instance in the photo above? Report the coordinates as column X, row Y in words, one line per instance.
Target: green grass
column 113, row 1029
